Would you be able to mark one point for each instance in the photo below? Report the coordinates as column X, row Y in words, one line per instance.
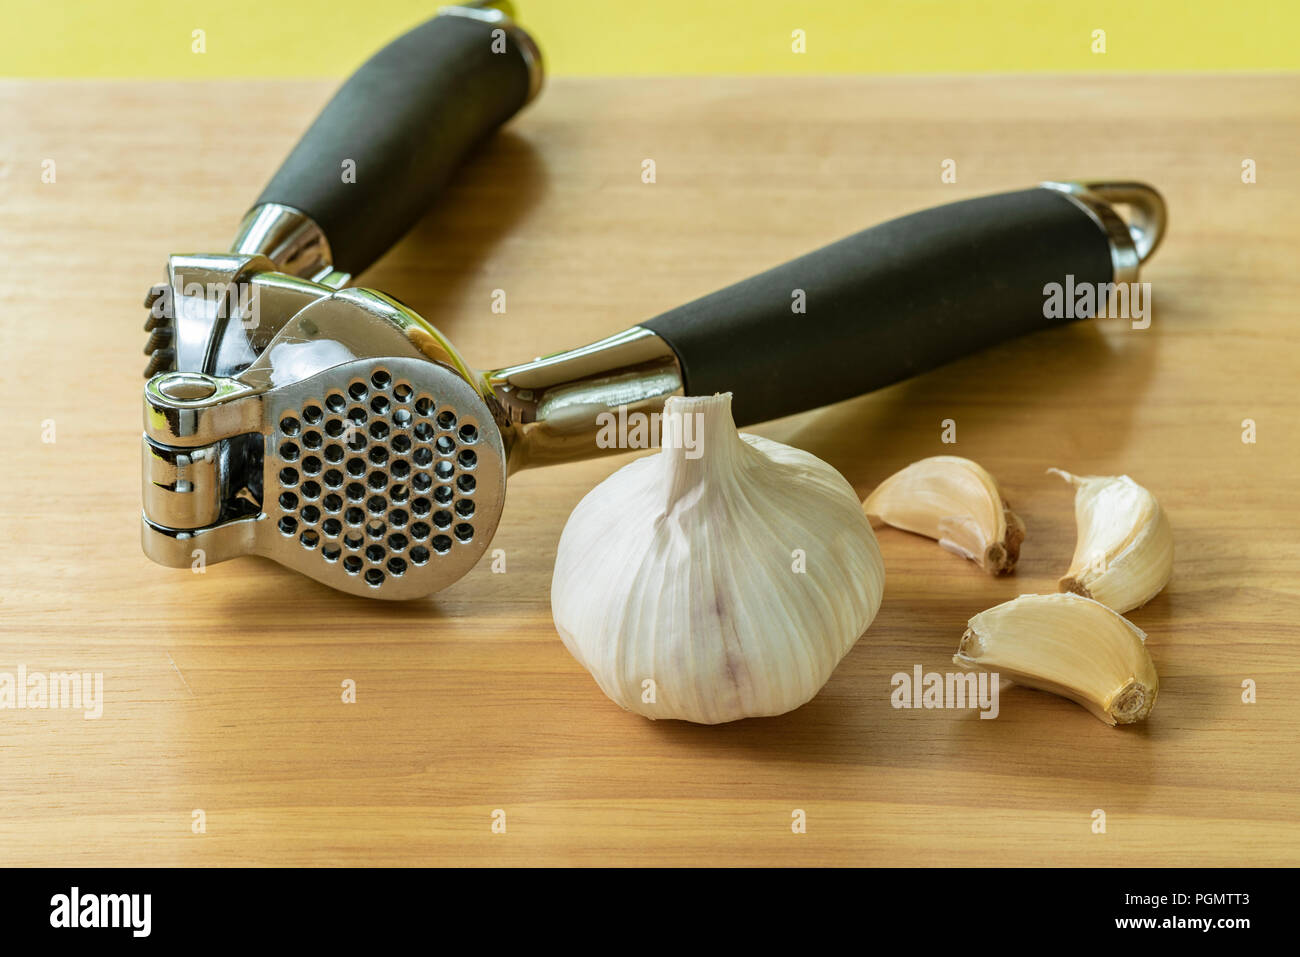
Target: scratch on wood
column 179, row 675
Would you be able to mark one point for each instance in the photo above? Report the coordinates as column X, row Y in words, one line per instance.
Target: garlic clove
column 1070, row 646
column 715, row 583
column 1124, row 554
column 958, row 503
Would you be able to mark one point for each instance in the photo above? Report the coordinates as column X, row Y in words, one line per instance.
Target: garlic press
column 335, row 431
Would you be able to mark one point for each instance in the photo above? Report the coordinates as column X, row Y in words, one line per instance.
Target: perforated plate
column 382, row 477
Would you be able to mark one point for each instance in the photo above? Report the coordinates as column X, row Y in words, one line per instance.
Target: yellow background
column 318, row 38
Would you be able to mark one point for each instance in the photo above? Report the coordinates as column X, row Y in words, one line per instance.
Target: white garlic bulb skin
column 716, row 583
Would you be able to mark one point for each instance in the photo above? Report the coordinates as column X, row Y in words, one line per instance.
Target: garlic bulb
column 723, row 577
column 958, row 503
column 1124, row 554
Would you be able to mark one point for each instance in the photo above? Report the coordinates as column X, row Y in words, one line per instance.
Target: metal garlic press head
column 356, row 449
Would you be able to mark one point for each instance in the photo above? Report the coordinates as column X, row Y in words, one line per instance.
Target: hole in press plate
column 352, row 564
column 310, row 538
column 403, row 392
column 358, row 391
column 441, row 544
column 420, row 554
column 289, row 425
column 466, row 484
column 374, row 577
column 375, row 553
column 380, row 379
column 396, row 566
column 331, row 553
column 464, row 532
column 335, row 402
column 312, row 414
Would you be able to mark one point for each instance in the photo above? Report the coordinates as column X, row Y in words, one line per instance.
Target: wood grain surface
column 222, row 690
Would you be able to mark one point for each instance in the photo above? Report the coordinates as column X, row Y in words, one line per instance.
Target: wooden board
column 222, row 690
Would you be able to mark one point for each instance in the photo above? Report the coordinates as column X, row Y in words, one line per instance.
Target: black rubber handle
column 885, row 304
column 406, row 119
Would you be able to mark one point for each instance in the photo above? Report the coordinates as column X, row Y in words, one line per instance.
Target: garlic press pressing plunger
column 337, row 432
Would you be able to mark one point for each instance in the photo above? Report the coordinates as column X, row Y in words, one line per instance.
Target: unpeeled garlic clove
column 958, row 503
column 717, row 583
column 1124, row 554
column 1069, row 645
